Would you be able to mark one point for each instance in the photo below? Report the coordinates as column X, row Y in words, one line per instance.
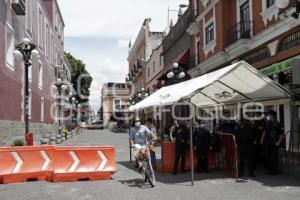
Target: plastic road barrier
column 21, row 164
column 83, row 163
column 57, row 164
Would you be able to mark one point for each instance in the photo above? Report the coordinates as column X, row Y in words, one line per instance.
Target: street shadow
column 181, row 178
column 137, row 183
column 289, row 177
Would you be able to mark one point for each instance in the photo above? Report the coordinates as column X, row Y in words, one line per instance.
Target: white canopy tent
column 237, row 83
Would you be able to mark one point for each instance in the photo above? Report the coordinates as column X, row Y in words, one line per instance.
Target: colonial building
column 41, row 22
column 255, row 31
column 140, row 53
column 114, row 99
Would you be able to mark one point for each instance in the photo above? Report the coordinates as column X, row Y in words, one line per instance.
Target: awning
column 236, row 83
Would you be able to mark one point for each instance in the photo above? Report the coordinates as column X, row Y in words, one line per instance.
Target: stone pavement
column 127, row 183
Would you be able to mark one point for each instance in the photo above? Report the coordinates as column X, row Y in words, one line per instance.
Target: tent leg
column 192, row 151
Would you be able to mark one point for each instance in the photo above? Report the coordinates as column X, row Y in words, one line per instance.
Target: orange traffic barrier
column 21, row 164
column 168, row 159
column 83, row 163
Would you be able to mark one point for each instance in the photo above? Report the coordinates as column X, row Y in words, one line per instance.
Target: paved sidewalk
column 127, row 183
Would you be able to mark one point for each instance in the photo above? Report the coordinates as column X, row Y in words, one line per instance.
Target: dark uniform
column 227, row 127
column 181, row 143
column 202, row 142
column 273, row 132
column 258, row 152
column 246, row 140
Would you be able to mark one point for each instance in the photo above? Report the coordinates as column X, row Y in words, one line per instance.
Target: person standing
column 226, row 125
column 180, row 135
column 246, row 141
column 202, row 143
column 151, row 127
column 272, row 138
column 172, row 129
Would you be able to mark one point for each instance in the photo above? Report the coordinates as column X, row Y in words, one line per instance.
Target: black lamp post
column 60, row 86
column 26, row 50
column 176, row 74
column 282, row 4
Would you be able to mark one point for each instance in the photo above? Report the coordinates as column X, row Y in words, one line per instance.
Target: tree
column 77, row 70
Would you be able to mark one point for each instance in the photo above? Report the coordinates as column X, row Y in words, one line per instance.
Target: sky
column 98, row 33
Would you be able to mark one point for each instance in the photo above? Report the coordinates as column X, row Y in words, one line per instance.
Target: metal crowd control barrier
column 56, row 164
column 229, row 158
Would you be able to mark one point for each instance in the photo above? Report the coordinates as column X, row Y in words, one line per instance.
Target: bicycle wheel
column 149, row 173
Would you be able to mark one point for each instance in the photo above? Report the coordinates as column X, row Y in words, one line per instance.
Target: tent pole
column 192, row 151
column 192, row 147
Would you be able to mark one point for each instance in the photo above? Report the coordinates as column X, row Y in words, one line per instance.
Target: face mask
column 202, row 125
column 268, row 118
column 137, row 124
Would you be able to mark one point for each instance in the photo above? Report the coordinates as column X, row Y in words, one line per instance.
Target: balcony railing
column 242, row 30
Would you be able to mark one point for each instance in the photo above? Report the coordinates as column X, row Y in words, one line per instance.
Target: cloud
column 123, row 43
column 98, row 33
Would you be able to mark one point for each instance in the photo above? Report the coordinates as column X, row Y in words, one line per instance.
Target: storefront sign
column 278, row 67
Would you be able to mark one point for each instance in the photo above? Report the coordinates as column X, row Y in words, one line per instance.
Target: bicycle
column 146, row 168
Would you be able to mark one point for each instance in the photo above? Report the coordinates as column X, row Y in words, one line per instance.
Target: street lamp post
column 282, row 4
column 177, row 73
column 26, row 50
column 60, row 86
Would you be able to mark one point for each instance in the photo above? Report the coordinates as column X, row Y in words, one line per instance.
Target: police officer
column 202, row 143
column 246, row 141
column 272, row 138
column 226, row 125
column 180, row 135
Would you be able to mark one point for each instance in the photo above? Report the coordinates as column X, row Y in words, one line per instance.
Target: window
column 42, row 109
column 148, row 71
column 153, row 67
column 270, row 3
column 198, row 52
column 29, row 16
column 47, row 41
column 209, row 33
column 9, row 46
column 40, row 28
column 197, row 7
column 161, row 61
column 40, row 75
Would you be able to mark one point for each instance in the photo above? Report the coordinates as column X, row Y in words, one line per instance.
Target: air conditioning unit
column 19, row 6
column 296, row 71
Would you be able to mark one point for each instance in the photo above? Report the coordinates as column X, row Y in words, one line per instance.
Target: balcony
column 242, row 30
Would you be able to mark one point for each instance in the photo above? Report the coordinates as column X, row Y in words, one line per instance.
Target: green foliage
column 18, row 142
column 78, row 69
